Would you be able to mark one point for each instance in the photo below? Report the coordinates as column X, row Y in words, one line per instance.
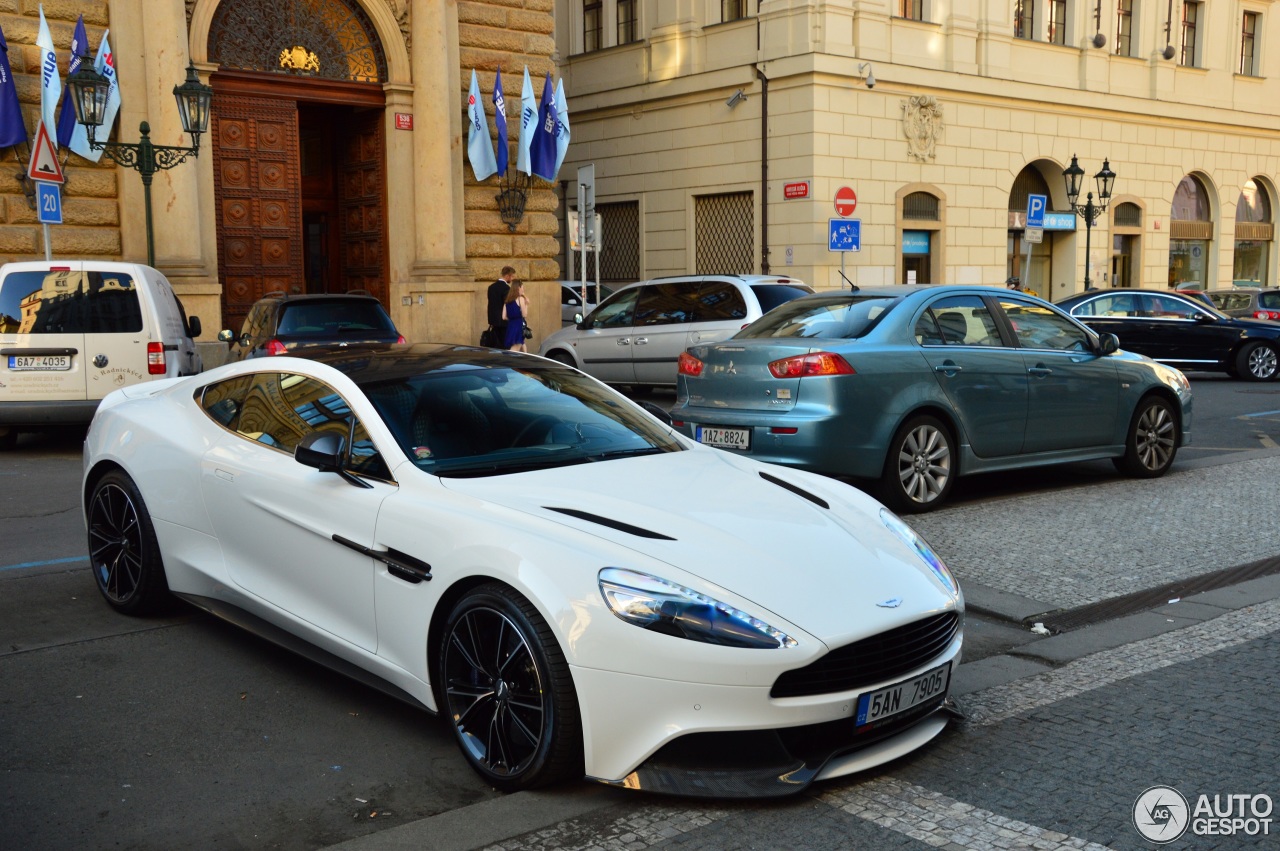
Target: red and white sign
column 44, row 158
column 404, row 121
column 795, row 190
column 846, row 201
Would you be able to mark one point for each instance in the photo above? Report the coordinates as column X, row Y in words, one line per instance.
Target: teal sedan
column 915, row 385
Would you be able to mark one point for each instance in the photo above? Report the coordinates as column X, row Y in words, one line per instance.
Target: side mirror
column 578, row 320
column 321, row 450
column 193, row 326
column 1204, row 318
column 1108, row 343
column 226, row 336
column 326, row 452
column 657, row 412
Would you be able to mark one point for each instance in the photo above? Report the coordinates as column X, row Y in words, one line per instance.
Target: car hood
column 833, row 571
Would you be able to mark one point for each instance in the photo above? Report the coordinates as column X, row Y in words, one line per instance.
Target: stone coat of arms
column 922, row 124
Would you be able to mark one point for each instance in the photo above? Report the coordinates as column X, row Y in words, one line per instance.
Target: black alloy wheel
column 123, row 552
column 1258, row 361
column 920, row 468
column 1152, row 442
column 508, row 692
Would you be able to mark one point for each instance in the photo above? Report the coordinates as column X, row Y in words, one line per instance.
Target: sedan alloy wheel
column 1259, row 362
column 123, row 552
column 918, row 472
column 1152, row 442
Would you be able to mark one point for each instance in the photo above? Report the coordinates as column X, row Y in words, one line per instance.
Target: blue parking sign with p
column 1035, row 211
column 49, row 202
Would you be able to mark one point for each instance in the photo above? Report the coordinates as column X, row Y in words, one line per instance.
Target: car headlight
column 912, row 539
column 661, row 606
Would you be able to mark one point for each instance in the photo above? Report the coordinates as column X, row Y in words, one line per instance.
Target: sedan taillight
column 817, row 363
column 689, row 365
column 275, row 347
column 155, row 358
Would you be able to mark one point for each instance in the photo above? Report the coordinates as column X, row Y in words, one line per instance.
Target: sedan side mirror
column 1108, row 343
column 226, row 335
column 326, row 452
column 1204, row 317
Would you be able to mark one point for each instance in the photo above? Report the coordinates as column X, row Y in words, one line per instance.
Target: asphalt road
column 186, row 732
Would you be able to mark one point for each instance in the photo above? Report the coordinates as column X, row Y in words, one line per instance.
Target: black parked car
column 1181, row 331
column 280, row 324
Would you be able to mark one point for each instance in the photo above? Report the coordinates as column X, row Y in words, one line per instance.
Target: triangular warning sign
column 44, row 158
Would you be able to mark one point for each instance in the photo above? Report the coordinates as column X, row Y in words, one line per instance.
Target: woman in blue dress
column 516, row 312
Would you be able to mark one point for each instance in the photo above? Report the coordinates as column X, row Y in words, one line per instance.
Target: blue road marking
column 73, row 560
column 1262, row 414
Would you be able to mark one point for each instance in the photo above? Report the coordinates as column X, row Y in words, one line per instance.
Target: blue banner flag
column 542, row 150
column 528, row 117
column 12, row 128
column 562, row 124
column 50, row 82
column 479, row 145
column 500, row 119
column 68, row 129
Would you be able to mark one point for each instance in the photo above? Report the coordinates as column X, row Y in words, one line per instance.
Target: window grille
column 331, row 39
column 1128, row 215
column 620, row 257
column 724, row 234
column 920, row 206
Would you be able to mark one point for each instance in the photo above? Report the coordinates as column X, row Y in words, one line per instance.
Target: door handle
column 623, row 341
column 640, row 341
column 1039, row 371
column 947, row 369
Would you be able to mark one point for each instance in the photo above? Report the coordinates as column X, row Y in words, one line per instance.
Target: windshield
column 465, row 420
column 840, row 316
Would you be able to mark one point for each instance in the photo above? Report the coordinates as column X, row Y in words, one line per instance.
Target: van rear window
column 63, row 302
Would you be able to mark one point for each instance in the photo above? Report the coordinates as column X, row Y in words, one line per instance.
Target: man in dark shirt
column 497, row 297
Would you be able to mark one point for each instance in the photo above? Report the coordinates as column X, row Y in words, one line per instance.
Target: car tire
column 561, row 357
column 1152, row 441
column 1258, row 361
column 123, row 552
column 508, row 692
column 920, row 467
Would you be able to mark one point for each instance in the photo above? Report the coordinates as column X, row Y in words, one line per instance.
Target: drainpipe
column 764, row 170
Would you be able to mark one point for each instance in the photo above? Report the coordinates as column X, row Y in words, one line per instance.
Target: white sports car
column 504, row 540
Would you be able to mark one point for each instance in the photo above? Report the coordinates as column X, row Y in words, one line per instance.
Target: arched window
column 1254, row 233
column 330, row 39
column 1190, row 234
column 920, row 212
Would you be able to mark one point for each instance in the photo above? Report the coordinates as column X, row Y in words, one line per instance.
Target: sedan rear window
column 842, row 316
column 333, row 318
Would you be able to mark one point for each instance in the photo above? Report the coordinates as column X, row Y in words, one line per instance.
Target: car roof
column 374, row 363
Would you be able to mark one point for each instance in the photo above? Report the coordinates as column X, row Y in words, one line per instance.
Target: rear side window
column 1116, row 304
column 719, row 301
column 772, row 295
column 843, row 316
column 69, row 303
column 667, row 304
column 965, row 321
column 1271, row 300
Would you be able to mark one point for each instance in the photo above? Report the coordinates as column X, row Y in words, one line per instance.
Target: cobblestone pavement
column 1055, row 761
column 1072, row 547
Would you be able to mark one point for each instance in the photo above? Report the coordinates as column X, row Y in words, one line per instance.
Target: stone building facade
column 335, row 158
column 721, row 132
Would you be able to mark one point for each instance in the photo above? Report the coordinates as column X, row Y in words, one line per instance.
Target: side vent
column 612, row 524
column 798, row 491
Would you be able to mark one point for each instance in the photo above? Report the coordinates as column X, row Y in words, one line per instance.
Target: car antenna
column 852, row 286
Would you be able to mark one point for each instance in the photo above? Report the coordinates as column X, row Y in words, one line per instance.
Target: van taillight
column 155, row 358
column 275, row 347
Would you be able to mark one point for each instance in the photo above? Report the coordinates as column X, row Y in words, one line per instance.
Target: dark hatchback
column 1181, row 331
column 280, row 324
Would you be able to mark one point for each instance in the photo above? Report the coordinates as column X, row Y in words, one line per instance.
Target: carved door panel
column 362, row 205
column 258, row 194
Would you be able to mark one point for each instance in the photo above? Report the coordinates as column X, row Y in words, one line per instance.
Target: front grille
column 882, row 657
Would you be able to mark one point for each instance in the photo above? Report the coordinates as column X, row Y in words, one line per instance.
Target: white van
column 71, row 331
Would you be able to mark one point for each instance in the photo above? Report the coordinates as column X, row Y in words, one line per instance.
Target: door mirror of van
column 193, row 326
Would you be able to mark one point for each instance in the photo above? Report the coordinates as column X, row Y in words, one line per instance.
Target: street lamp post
column 1089, row 211
column 89, row 91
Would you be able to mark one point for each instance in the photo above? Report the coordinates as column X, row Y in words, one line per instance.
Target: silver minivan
column 71, row 331
column 636, row 335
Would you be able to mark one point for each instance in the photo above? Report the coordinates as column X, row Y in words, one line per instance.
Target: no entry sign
column 846, row 201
